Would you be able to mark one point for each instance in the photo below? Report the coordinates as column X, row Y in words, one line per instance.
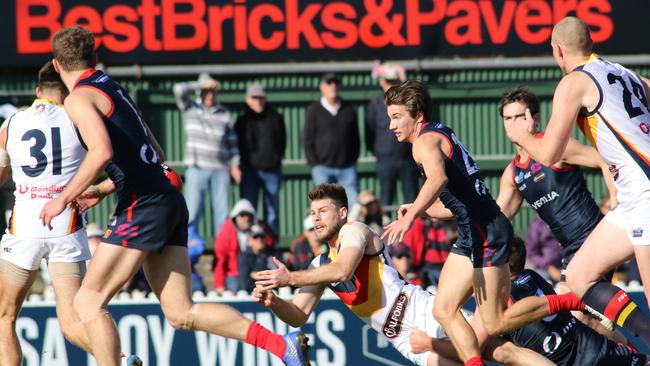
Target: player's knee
column 578, row 280
column 506, row 354
column 89, row 305
column 8, row 315
column 444, row 311
column 181, row 319
column 493, row 327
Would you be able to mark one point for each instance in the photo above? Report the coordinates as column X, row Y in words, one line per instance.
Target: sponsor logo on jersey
column 637, row 233
column 40, row 192
column 522, row 187
column 393, row 325
column 535, row 167
column 545, row 199
column 614, row 170
column 539, row 177
column 101, row 79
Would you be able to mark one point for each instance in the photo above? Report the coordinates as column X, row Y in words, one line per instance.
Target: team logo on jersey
column 535, row 167
column 40, row 108
column 127, row 230
column 519, row 178
column 539, row 177
column 393, row 325
column 637, row 233
column 552, row 342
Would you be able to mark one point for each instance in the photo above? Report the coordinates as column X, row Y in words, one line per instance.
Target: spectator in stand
column 544, row 251
column 393, row 157
column 256, row 257
column 211, row 151
column 369, row 211
column 430, row 241
column 195, row 248
column 231, row 240
column 402, row 257
column 331, row 138
column 262, row 140
column 305, row 247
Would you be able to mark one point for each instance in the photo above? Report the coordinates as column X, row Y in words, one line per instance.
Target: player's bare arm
column 296, row 312
column 84, row 110
column 509, row 199
column 587, row 156
column 439, row 211
column 340, row 270
column 94, row 194
column 574, row 92
column 428, row 151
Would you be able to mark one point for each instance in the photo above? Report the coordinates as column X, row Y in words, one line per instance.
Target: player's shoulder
column 355, row 228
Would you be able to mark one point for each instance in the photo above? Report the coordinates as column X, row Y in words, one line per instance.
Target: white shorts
column 28, row 252
column 634, row 219
column 420, row 315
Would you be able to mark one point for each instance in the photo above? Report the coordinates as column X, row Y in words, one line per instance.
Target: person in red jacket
column 430, row 242
column 232, row 239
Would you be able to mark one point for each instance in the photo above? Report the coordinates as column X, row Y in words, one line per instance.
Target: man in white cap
column 262, row 140
column 211, row 150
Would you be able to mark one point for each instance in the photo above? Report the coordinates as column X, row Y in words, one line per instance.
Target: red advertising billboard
column 229, row 31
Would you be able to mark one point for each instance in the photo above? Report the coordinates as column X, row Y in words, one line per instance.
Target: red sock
column 564, row 302
column 474, row 361
column 261, row 337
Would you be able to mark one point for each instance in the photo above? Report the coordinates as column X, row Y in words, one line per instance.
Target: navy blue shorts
column 486, row 245
column 149, row 222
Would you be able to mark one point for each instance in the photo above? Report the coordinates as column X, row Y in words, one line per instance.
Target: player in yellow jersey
column 358, row 268
column 610, row 103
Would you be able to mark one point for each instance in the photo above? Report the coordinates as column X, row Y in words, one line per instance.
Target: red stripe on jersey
column 616, row 304
column 129, row 212
column 110, row 111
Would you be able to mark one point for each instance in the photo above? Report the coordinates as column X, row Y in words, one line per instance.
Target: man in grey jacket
column 211, row 151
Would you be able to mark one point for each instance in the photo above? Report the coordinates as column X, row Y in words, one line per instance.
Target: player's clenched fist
column 263, row 297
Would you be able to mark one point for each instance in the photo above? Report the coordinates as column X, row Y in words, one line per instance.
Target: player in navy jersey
column 610, row 105
column 453, row 187
column 149, row 226
column 558, row 192
column 561, row 337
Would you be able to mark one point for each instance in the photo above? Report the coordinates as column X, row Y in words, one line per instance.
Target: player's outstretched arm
column 294, row 313
column 84, row 113
column 428, row 151
column 509, row 198
column 342, row 270
column 587, row 156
